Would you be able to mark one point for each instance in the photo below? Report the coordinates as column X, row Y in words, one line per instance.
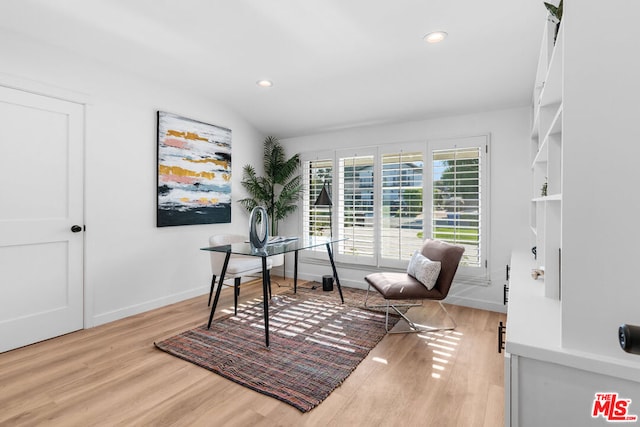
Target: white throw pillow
column 411, row 268
column 424, row 270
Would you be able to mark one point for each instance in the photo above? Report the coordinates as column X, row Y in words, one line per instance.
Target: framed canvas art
column 194, row 172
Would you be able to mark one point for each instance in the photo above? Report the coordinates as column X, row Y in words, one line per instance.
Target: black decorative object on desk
column 258, row 227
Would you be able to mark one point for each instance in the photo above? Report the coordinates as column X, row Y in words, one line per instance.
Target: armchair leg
column 416, row 327
column 413, row 327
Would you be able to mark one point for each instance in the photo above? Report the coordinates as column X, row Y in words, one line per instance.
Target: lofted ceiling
column 334, row 63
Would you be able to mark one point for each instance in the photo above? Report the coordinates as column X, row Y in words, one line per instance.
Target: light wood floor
column 113, row 375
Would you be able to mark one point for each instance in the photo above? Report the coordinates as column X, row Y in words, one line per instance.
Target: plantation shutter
column 456, row 210
column 316, row 219
column 355, row 208
column 402, row 207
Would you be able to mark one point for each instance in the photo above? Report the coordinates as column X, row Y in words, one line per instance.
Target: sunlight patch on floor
column 441, row 353
column 440, row 346
column 380, row 360
column 443, row 346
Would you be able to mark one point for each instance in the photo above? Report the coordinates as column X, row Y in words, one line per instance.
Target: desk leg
column 265, row 285
column 335, row 272
column 295, row 272
column 220, row 282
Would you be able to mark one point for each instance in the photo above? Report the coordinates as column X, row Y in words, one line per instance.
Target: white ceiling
column 334, row 63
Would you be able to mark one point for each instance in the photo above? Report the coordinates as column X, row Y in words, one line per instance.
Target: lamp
column 325, row 200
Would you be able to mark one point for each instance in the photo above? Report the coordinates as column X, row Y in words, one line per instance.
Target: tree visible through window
column 456, row 208
column 386, row 200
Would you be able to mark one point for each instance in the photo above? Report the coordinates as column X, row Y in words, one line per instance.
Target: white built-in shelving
column 546, row 163
column 534, row 315
column 561, row 338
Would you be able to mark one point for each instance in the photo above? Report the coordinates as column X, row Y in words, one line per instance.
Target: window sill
column 461, row 279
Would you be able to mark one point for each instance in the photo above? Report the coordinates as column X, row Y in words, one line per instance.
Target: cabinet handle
column 508, row 271
column 502, row 330
column 505, row 294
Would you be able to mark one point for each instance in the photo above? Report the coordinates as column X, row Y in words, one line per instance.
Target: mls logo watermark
column 612, row 408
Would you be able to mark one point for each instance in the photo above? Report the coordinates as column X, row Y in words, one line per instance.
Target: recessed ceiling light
column 435, row 37
column 264, row 83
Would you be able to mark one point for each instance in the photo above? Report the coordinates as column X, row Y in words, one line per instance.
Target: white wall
column 130, row 265
column 509, row 198
column 600, row 202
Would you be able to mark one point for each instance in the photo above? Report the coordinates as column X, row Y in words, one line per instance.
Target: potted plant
column 280, row 187
column 556, row 15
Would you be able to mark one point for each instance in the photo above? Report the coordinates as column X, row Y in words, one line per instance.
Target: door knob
column 76, row 228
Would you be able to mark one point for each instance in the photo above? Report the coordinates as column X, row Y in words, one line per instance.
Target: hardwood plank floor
column 113, row 375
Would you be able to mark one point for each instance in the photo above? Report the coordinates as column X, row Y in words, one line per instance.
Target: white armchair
column 239, row 265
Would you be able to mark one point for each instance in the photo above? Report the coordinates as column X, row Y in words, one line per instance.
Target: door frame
column 52, row 91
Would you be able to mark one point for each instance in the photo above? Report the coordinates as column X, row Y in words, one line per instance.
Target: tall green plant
column 279, row 189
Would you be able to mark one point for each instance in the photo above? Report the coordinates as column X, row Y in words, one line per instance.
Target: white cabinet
column 540, row 372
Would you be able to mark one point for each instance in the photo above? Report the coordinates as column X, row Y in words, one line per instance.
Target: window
column 317, row 220
column 402, row 205
column 388, row 199
column 355, row 208
column 457, row 208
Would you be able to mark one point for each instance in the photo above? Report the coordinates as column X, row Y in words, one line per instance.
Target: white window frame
column 408, row 147
column 319, row 252
column 469, row 274
column 339, row 254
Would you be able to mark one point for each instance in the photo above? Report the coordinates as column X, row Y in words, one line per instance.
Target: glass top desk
column 284, row 246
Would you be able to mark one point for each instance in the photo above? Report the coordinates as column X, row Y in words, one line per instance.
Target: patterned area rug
column 315, row 343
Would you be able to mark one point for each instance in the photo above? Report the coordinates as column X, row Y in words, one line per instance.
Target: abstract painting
column 194, row 172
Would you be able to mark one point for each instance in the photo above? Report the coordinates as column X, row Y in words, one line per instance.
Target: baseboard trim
column 451, row 299
column 473, row 303
column 121, row 313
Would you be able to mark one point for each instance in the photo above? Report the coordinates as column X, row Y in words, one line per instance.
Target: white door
column 41, row 199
